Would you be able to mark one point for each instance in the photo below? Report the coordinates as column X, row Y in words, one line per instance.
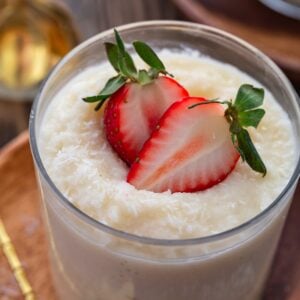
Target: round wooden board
column 276, row 35
column 20, row 212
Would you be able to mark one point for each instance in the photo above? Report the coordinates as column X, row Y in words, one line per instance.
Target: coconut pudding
column 90, row 174
column 145, row 178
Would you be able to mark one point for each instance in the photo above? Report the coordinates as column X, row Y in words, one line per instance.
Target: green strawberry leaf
column 251, row 117
column 249, row 152
column 120, row 43
column 111, row 86
column 248, row 97
column 144, row 78
column 92, row 99
column 112, row 53
column 148, row 55
column 124, row 62
column 127, row 67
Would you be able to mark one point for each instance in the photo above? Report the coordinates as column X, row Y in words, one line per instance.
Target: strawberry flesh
column 191, row 150
column 133, row 112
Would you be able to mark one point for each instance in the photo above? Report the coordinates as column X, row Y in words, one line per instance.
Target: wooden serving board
column 276, row 35
column 20, row 212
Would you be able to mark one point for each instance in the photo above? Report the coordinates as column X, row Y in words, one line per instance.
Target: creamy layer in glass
column 88, row 172
column 148, row 245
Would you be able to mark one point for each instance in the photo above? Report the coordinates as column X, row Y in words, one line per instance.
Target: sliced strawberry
column 136, row 99
column 191, row 150
column 133, row 112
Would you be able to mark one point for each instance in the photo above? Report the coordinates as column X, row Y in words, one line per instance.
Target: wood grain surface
column 20, row 212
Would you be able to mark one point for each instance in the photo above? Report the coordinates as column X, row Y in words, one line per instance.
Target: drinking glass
column 91, row 260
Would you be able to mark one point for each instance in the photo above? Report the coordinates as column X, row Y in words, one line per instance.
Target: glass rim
column 143, row 239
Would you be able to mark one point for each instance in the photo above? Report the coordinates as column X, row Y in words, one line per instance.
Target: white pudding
column 85, row 169
column 94, row 263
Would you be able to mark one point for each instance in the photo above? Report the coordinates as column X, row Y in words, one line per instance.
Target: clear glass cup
column 93, row 261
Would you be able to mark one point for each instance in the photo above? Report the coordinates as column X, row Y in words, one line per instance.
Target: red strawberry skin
column 132, row 113
column 112, row 125
column 191, row 150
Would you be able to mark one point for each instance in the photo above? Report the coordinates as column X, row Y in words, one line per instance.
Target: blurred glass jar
column 34, row 35
column 290, row 8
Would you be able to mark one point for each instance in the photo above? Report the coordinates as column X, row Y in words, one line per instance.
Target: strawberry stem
column 208, row 102
column 122, row 62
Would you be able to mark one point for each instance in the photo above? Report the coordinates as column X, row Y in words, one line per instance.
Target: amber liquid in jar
column 34, row 35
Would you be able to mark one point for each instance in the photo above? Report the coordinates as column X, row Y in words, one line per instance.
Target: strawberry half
column 136, row 98
column 133, row 112
column 191, row 150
